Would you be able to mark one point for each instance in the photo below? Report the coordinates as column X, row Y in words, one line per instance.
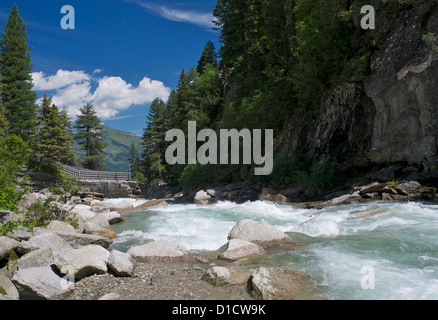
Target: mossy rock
column 3, row 291
column 13, row 260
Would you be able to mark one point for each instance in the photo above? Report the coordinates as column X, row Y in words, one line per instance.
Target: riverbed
column 390, row 255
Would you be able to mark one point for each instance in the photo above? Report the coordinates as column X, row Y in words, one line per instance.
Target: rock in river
column 263, row 234
column 161, row 251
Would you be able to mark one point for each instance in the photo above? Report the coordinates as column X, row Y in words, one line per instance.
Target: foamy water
column 399, row 245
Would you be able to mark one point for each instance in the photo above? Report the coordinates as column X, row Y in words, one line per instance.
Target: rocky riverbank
column 66, row 262
column 60, row 262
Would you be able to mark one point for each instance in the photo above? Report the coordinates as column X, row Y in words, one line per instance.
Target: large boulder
column 161, row 251
column 60, row 226
column 94, row 229
column 112, row 217
column 222, row 276
column 83, row 214
column 372, row 187
column 268, row 194
column 202, row 197
column 37, row 258
column 281, row 284
column 263, row 235
column 43, row 282
column 50, row 240
column 26, row 201
column 77, row 239
column 82, row 262
column 408, row 187
column 7, row 289
column 241, row 249
column 7, row 216
column 122, row 206
column 100, row 220
column 121, row 264
column 6, row 246
column 149, row 204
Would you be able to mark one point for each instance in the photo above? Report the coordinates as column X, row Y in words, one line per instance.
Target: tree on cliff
column 208, row 56
column 15, row 72
column 89, row 136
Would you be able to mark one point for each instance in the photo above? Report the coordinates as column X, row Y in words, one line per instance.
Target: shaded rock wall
column 392, row 116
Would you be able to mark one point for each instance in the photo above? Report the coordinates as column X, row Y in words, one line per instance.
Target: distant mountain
column 117, row 148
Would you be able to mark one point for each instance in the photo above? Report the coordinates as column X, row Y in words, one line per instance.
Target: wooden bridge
column 82, row 174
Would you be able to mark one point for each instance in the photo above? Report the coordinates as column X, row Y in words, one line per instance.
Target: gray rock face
column 241, row 249
column 391, row 116
column 222, row 276
column 7, row 216
column 150, row 204
column 161, row 251
column 202, row 197
column 43, row 282
column 6, row 245
column 112, row 189
column 280, row 284
column 113, row 217
column 50, row 240
column 158, row 189
column 262, row 234
column 84, row 261
column 121, row 264
column 37, row 258
column 60, row 226
column 9, row 291
column 122, row 206
column 94, row 229
column 78, row 239
column 403, row 86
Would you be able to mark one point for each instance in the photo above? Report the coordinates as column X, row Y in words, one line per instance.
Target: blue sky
column 121, row 55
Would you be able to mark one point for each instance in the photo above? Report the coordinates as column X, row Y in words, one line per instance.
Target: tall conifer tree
column 154, row 140
column 69, row 156
column 208, row 56
column 15, row 71
column 89, row 136
column 52, row 142
column 3, row 121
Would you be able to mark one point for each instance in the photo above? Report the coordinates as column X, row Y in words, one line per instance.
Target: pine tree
column 134, row 160
column 208, row 56
column 3, row 121
column 153, row 140
column 52, row 142
column 69, row 157
column 15, row 70
column 89, row 136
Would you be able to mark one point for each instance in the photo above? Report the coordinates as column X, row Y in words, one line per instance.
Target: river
column 391, row 255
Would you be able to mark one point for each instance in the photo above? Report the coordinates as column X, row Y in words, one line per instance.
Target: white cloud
column 61, row 79
column 198, row 18
column 112, row 94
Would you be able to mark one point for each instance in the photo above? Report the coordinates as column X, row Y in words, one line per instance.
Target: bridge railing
column 90, row 175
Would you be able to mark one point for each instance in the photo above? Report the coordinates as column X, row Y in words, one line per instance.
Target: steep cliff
column 390, row 117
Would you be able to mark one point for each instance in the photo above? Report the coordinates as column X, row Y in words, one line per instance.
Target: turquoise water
column 392, row 255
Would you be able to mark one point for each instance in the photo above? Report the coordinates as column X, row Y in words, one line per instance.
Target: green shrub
column 323, row 175
column 43, row 211
column 392, row 184
column 196, row 176
column 14, row 152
